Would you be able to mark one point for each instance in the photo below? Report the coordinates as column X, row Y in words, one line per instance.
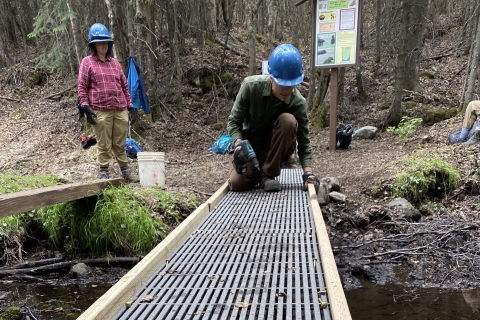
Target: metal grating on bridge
column 255, row 256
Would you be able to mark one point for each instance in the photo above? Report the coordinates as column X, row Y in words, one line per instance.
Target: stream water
column 371, row 302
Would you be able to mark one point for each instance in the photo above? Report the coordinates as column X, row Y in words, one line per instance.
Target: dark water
column 397, row 302
column 48, row 302
column 368, row 303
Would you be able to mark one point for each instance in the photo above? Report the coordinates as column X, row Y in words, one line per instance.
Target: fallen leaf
column 148, row 298
column 242, row 304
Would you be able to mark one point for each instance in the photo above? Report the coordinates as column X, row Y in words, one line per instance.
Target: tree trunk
column 252, row 9
column 229, row 18
column 272, row 20
column 111, row 20
column 395, row 112
column 378, row 25
column 473, row 67
column 211, row 20
column 358, row 78
column 132, row 48
column 75, row 34
column 178, row 66
column 415, row 19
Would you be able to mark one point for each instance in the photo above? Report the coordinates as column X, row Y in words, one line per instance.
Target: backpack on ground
column 344, row 136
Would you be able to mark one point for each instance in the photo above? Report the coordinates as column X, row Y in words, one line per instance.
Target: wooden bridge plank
column 23, row 201
column 336, row 296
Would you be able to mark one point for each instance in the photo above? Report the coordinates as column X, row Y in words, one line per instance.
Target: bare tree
column 252, row 8
column 473, row 76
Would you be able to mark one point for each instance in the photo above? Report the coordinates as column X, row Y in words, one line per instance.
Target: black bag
column 344, row 136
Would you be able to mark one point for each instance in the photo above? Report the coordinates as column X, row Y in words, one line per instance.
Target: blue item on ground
column 132, row 148
column 134, row 144
column 135, row 85
column 222, row 145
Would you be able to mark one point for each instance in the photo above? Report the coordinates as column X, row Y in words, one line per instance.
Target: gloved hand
column 309, row 177
column 132, row 115
column 242, row 155
column 80, row 112
column 85, row 110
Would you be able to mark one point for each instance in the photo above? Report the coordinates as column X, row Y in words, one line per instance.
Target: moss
column 384, row 105
column 35, row 79
column 318, row 116
column 411, row 105
column 18, row 115
column 433, row 116
column 12, row 313
column 218, row 126
column 260, row 39
column 427, row 75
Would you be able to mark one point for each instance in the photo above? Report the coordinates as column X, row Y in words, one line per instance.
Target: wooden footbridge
column 239, row 255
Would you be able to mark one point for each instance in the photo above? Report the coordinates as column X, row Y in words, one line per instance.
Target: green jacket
column 255, row 110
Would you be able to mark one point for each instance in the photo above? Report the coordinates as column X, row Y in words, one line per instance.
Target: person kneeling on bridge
column 268, row 121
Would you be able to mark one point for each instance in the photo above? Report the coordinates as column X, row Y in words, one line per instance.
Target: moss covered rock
column 12, row 313
column 433, row 116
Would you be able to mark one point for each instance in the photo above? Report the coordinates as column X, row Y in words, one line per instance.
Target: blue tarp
column 135, row 84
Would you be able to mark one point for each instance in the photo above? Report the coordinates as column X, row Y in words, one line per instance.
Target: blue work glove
column 309, row 177
column 86, row 111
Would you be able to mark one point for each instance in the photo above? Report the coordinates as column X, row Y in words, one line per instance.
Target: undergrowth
column 406, row 127
column 119, row 221
column 425, row 178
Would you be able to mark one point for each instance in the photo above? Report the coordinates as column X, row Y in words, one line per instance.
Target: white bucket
column 151, row 169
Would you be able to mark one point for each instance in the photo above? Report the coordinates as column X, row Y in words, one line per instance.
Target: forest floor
column 42, row 136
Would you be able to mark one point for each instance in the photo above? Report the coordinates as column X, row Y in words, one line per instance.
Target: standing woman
column 105, row 100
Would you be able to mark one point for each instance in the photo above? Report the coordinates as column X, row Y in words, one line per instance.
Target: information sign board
column 336, row 33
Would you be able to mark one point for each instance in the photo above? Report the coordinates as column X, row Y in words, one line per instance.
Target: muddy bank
column 375, row 243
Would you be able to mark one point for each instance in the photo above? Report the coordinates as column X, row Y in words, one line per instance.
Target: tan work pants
column 270, row 151
column 111, row 130
column 471, row 114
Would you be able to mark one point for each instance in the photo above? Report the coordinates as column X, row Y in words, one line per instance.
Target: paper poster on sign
column 336, row 33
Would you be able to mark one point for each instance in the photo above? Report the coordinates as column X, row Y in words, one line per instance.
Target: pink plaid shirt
column 103, row 85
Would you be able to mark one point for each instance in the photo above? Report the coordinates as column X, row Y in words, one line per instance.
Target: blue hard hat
column 99, row 33
column 285, row 65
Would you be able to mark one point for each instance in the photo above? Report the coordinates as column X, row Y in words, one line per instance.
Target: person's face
column 281, row 92
column 102, row 47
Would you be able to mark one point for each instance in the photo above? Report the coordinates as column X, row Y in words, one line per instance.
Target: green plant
column 11, row 183
column 431, row 208
column 375, row 191
column 406, row 127
column 14, row 229
column 117, row 222
column 423, row 178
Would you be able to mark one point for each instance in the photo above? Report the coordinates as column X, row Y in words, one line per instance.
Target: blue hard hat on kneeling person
column 285, row 65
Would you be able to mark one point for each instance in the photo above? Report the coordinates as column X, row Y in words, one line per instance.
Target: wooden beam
column 300, row 2
column 115, row 298
column 23, row 201
column 336, row 296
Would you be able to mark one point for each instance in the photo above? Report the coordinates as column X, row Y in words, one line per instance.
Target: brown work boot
column 128, row 176
column 269, row 184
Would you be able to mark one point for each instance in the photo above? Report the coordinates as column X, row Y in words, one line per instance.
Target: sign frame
column 336, row 36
